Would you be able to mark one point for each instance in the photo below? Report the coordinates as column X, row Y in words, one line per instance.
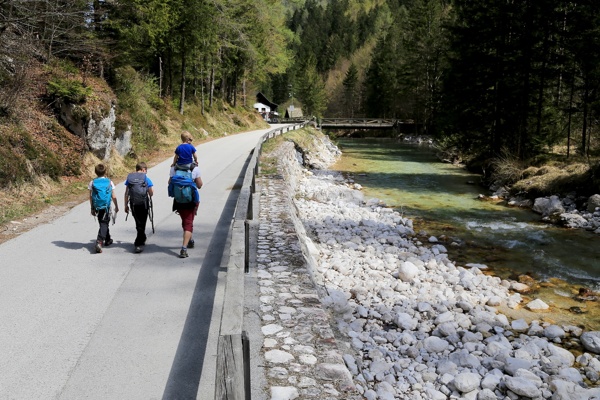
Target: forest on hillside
column 492, row 78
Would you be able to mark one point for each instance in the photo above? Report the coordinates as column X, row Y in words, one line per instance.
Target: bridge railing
column 357, row 121
column 233, row 371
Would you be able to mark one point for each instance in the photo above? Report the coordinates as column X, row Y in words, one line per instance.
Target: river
column 442, row 200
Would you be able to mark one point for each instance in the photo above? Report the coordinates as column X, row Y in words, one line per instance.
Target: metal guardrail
column 233, row 372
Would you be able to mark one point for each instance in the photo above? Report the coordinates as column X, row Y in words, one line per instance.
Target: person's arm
column 126, row 199
column 92, row 204
column 198, row 182
column 114, row 198
column 175, row 160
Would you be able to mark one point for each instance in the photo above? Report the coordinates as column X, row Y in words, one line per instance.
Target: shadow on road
column 184, row 378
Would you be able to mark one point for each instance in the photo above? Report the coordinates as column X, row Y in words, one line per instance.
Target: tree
column 312, row 90
column 350, row 89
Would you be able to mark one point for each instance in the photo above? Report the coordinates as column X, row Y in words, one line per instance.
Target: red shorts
column 187, row 219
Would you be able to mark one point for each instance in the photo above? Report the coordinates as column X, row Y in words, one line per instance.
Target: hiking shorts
column 187, row 219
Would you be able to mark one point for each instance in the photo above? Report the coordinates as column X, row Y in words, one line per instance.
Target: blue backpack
column 101, row 193
column 182, row 188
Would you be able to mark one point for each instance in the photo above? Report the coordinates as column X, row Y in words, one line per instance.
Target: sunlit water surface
column 442, row 200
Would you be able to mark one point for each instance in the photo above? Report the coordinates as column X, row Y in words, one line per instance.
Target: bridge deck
column 360, row 123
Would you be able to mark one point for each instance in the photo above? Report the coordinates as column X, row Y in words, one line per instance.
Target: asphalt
column 117, row 325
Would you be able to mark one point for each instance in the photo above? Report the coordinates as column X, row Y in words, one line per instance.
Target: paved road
column 79, row 325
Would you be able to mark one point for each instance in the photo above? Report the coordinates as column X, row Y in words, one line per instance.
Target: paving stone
column 299, row 346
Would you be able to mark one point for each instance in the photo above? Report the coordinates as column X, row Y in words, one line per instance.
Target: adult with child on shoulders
column 184, row 182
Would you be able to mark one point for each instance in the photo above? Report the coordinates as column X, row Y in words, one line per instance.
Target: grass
column 555, row 179
column 548, row 174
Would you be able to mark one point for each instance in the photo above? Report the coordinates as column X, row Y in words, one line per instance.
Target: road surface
column 117, row 325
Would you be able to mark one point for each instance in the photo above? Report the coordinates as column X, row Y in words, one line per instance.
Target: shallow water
column 442, row 200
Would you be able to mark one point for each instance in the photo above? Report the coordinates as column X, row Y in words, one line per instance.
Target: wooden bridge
column 359, row 123
column 362, row 123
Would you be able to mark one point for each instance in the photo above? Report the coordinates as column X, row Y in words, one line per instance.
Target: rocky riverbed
column 415, row 325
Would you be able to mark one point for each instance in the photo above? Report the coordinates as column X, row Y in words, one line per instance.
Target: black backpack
column 138, row 189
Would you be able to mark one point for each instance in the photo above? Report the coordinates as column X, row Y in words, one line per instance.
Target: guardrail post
column 250, row 212
column 246, row 246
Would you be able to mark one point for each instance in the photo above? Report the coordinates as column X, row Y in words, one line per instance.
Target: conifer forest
column 489, row 77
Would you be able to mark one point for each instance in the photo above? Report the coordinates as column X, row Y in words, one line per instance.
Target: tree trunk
column 234, row 89
column 160, row 77
column 570, row 116
column 582, row 147
column 212, row 86
column 202, row 89
column 195, row 81
column 244, row 92
column 182, row 94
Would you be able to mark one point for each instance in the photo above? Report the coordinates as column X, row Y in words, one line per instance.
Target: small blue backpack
column 101, row 193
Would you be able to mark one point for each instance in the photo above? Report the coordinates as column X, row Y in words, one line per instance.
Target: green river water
column 442, row 201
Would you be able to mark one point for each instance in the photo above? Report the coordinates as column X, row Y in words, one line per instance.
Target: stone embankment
column 408, row 322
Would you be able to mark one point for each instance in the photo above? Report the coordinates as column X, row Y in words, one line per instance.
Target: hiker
column 101, row 195
column 183, row 187
column 185, row 153
column 138, row 192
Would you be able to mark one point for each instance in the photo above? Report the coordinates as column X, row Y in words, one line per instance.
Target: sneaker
column 139, row 249
column 183, row 253
column 108, row 242
column 191, row 244
column 98, row 247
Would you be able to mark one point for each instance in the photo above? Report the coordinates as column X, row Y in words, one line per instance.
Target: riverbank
column 413, row 324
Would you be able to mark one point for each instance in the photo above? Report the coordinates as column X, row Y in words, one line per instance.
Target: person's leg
column 186, row 238
column 103, row 218
column 103, row 232
column 191, row 243
column 187, row 223
column 140, row 215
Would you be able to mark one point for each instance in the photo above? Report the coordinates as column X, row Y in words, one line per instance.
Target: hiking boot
column 98, row 247
column 191, row 244
column 108, row 242
column 139, row 249
column 183, row 253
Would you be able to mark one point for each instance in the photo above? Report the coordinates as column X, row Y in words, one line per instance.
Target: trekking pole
column 151, row 214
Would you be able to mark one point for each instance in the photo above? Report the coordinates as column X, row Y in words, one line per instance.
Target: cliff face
column 55, row 117
column 96, row 127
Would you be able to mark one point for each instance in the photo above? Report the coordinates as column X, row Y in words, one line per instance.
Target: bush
column 507, row 169
column 139, row 106
column 69, row 90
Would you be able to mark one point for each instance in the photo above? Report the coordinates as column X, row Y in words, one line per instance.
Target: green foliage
column 351, row 90
column 69, row 90
column 139, row 107
column 312, row 91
